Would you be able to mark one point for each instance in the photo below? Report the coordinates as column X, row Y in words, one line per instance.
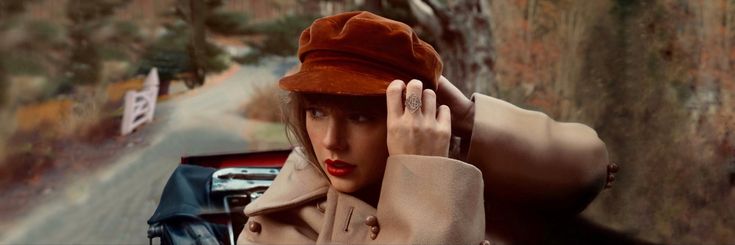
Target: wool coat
column 513, row 154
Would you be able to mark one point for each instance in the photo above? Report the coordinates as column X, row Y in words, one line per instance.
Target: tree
column 86, row 18
column 461, row 30
column 197, row 14
column 201, row 56
column 9, row 9
column 3, row 87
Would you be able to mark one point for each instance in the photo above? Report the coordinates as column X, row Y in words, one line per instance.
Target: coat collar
column 298, row 182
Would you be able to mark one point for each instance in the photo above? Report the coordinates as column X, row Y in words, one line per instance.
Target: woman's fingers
column 429, row 101
column 394, row 100
column 444, row 118
column 413, row 101
column 415, row 125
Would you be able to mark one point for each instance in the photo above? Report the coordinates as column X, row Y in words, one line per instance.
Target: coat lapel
column 299, row 182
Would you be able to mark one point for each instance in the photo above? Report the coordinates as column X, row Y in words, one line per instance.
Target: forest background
column 656, row 79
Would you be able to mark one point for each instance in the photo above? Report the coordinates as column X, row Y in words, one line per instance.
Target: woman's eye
column 315, row 113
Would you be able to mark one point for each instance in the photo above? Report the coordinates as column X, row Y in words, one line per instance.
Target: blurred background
column 656, row 79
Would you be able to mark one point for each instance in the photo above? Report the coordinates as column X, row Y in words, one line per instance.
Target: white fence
column 140, row 106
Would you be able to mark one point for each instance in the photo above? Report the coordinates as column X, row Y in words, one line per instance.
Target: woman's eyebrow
column 373, row 110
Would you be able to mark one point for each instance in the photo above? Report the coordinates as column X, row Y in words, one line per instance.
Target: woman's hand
column 463, row 109
column 417, row 127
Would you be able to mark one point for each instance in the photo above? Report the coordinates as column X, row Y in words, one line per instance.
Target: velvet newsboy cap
column 360, row 53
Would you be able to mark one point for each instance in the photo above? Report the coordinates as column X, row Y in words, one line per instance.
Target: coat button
column 375, row 229
column 371, row 220
column 254, row 227
column 486, row 242
column 613, row 168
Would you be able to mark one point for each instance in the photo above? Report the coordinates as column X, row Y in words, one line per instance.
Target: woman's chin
column 345, row 186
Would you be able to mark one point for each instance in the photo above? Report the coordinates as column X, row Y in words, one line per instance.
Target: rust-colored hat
column 360, row 53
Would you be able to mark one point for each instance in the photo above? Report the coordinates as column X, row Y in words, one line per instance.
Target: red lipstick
column 339, row 168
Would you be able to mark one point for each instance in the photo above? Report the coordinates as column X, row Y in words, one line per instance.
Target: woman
column 373, row 117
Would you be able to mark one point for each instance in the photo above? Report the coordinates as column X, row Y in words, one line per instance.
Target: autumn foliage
column 656, row 80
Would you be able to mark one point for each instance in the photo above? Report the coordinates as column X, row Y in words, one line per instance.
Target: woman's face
column 348, row 134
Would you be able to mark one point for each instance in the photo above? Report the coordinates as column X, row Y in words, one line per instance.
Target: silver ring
column 413, row 103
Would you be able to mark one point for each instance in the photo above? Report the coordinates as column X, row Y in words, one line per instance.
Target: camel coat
column 513, row 154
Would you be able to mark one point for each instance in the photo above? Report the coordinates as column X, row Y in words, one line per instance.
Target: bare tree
column 195, row 12
column 464, row 38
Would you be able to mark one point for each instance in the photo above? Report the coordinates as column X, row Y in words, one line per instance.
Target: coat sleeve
column 529, row 159
column 430, row 200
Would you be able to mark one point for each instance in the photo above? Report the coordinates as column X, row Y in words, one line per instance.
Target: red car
column 203, row 199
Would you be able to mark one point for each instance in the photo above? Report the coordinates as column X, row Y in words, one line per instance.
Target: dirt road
column 111, row 206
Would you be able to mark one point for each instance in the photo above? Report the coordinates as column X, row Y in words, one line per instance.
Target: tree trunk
column 197, row 43
column 463, row 39
column 374, row 6
column 163, row 87
column 4, row 88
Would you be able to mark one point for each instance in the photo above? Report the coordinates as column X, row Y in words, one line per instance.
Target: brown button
column 373, row 236
column 610, row 178
column 613, row 168
column 371, row 220
column 486, row 242
column 254, row 227
column 375, row 229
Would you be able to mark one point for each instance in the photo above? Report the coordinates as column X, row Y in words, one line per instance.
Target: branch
column 443, row 14
column 425, row 16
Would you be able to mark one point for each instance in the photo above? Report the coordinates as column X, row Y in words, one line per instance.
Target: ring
column 413, row 103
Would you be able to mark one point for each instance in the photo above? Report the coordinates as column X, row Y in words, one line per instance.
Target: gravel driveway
column 112, row 205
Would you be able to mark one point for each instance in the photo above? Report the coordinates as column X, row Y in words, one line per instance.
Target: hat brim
column 337, row 80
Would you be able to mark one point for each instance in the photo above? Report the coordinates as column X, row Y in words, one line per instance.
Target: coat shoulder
column 298, row 183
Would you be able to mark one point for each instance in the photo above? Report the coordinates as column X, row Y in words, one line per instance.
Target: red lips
column 339, row 168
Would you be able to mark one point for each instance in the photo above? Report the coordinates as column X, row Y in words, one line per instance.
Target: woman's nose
column 335, row 138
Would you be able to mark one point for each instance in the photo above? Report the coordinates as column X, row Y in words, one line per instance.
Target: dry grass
column 264, row 104
column 6, row 131
column 47, row 121
column 86, row 112
column 50, row 113
column 25, row 88
column 116, row 91
column 36, row 133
